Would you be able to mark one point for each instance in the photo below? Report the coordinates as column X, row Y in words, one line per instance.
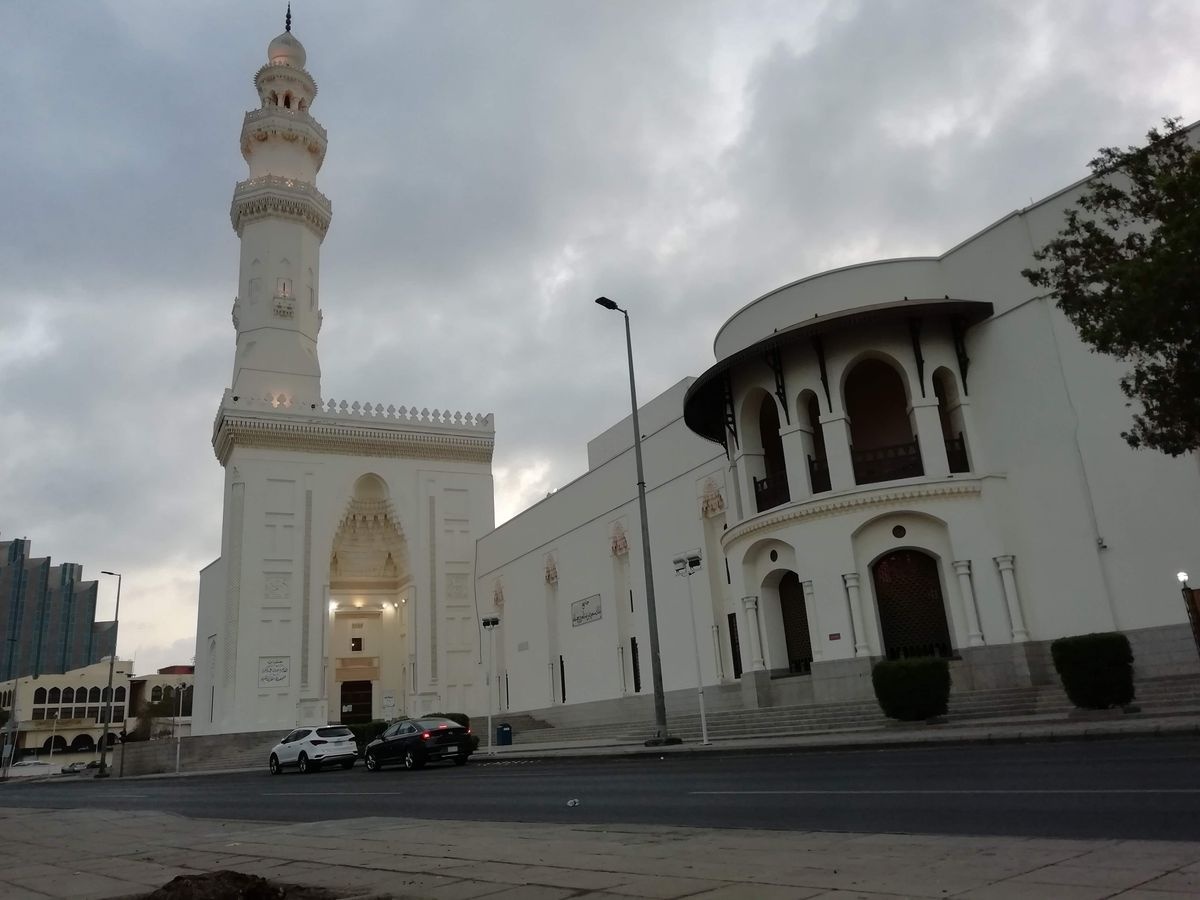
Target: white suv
column 310, row 747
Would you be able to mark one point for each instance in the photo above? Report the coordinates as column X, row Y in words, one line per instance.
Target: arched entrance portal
column 356, row 702
column 912, row 614
column 370, row 584
column 795, row 624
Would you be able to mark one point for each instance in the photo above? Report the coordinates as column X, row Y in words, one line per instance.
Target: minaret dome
column 285, row 50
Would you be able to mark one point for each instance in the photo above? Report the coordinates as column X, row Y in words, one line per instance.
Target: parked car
column 413, row 743
column 311, row 747
column 72, row 768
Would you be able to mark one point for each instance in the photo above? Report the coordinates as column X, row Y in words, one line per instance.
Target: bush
column 1096, row 669
column 912, row 689
column 365, row 732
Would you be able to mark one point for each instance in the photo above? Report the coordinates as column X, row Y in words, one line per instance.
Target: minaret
column 281, row 219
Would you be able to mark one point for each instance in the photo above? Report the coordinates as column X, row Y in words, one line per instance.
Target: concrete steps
column 1154, row 696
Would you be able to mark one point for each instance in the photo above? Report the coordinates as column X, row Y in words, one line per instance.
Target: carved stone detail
column 619, row 541
column 712, row 503
column 551, row 569
column 278, row 586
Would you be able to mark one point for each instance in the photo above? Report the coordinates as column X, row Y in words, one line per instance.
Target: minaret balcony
column 288, row 124
column 279, row 196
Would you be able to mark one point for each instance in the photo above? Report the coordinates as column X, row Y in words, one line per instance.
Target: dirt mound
column 225, row 885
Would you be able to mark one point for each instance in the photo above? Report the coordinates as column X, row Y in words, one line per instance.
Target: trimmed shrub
column 1096, row 669
column 912, row 690
column 365, row 732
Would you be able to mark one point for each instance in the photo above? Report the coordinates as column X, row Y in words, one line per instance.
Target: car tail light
column 316, row 742
column 468, row 731
column 425, row 736
column 443, row 726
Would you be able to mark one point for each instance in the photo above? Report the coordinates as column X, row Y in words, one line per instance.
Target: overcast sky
column 493, row 167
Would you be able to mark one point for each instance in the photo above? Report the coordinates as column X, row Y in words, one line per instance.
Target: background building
column 47, row 615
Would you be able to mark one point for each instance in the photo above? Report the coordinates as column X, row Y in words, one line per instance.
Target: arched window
column 808, row 411
column 120, row 695
column 93, row 695
column 83, row 743
column 156, row 695
column 39, row 696
column 772, row 489
column 882, row 444
column 106, row 695
column 55, row 696
column 68, row 695
column 912, row 614
column 945, row 388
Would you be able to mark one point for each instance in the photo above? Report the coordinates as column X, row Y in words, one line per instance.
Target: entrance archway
column 356, row 702
column 795, row 624
column 912, row 612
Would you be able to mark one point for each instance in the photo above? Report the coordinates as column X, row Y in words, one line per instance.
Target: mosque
column 906, row 457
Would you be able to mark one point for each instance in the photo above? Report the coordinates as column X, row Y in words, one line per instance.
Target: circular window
column 899, row 531
column 774, row 555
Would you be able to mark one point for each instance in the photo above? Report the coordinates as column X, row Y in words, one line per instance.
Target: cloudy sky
column 493, row 167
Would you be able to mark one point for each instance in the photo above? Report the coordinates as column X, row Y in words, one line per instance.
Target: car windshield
column 339, row 731
column 431, row 724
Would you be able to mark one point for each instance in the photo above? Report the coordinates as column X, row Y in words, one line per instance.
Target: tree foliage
column 1126, row 272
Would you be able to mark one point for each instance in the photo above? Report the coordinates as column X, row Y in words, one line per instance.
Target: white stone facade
column 922, row 457
column 344, row 587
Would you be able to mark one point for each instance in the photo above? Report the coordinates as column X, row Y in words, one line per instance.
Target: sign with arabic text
column 274, row 671
column 585, row 610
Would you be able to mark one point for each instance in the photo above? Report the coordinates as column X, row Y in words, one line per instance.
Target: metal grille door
column 912, row 614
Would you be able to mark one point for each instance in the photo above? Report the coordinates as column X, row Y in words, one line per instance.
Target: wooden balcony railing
column 887, row 463
column 956, row 453
column 771, row 491
column 818, row 475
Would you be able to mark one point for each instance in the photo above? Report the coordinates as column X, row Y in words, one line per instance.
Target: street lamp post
column 687, row 566
column 490, row 623
column 1188, row 604
column 102, row 772
column 660, row 702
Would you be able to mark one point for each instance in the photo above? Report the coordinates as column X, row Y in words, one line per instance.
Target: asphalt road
column 1089, row 789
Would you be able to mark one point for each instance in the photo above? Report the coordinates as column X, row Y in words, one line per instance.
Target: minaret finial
column 288, row 19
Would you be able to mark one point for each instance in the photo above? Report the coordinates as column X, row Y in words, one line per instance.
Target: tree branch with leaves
column 1125, row 270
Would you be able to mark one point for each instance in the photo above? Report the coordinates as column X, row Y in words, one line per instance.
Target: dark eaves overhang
column 705, row 401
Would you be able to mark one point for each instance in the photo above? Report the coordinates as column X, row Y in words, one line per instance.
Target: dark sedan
column 415, row 742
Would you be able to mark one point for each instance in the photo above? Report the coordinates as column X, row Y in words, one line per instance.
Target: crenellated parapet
column 276, row 195
column 277, row 421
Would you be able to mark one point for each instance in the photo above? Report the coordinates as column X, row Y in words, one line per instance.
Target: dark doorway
column 637, row 667
column 912, row 614
column 356, row 702
column 735, row 648
column 795, row 624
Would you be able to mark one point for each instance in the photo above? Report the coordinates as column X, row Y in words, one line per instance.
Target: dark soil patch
column 226, row 885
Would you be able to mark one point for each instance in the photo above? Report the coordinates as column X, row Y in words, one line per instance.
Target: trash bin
column 503, row 735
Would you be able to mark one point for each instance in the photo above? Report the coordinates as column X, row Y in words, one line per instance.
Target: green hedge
column 365, row 732
column 912, row 690
column 1096, row 669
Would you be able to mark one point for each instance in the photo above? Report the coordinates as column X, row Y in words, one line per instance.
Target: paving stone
column 759, row 892
column 1029, row 890
column 1115, row 879
column 10, row 891
column 657, row 886
column 82, row 886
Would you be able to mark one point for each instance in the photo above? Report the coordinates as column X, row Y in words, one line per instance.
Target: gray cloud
column 493, row 167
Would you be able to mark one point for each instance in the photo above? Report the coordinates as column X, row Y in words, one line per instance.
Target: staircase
column 1159, row 696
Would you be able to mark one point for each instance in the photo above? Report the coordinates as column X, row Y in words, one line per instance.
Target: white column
column 975, row 449
column 962, row 568
column 797, row 443
column 836, row 430
column 814, row 627
column 1012, row 598
column 862, row 646
column 927, row 425
column 751, row 605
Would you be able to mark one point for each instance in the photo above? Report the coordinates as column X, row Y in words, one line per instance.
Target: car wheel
column 372, row 762
column 273, row 765
column 348, row 763
column 412, row 761
column 460, row 760
column 302, row 764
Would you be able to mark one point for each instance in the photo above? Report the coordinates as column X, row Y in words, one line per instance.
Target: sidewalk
column 82, row 854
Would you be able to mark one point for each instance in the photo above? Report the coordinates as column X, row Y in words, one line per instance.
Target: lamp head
column 1183, row 577
column 106, row 572
column 680, row 565
column 491, row 621
column 606, row 303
